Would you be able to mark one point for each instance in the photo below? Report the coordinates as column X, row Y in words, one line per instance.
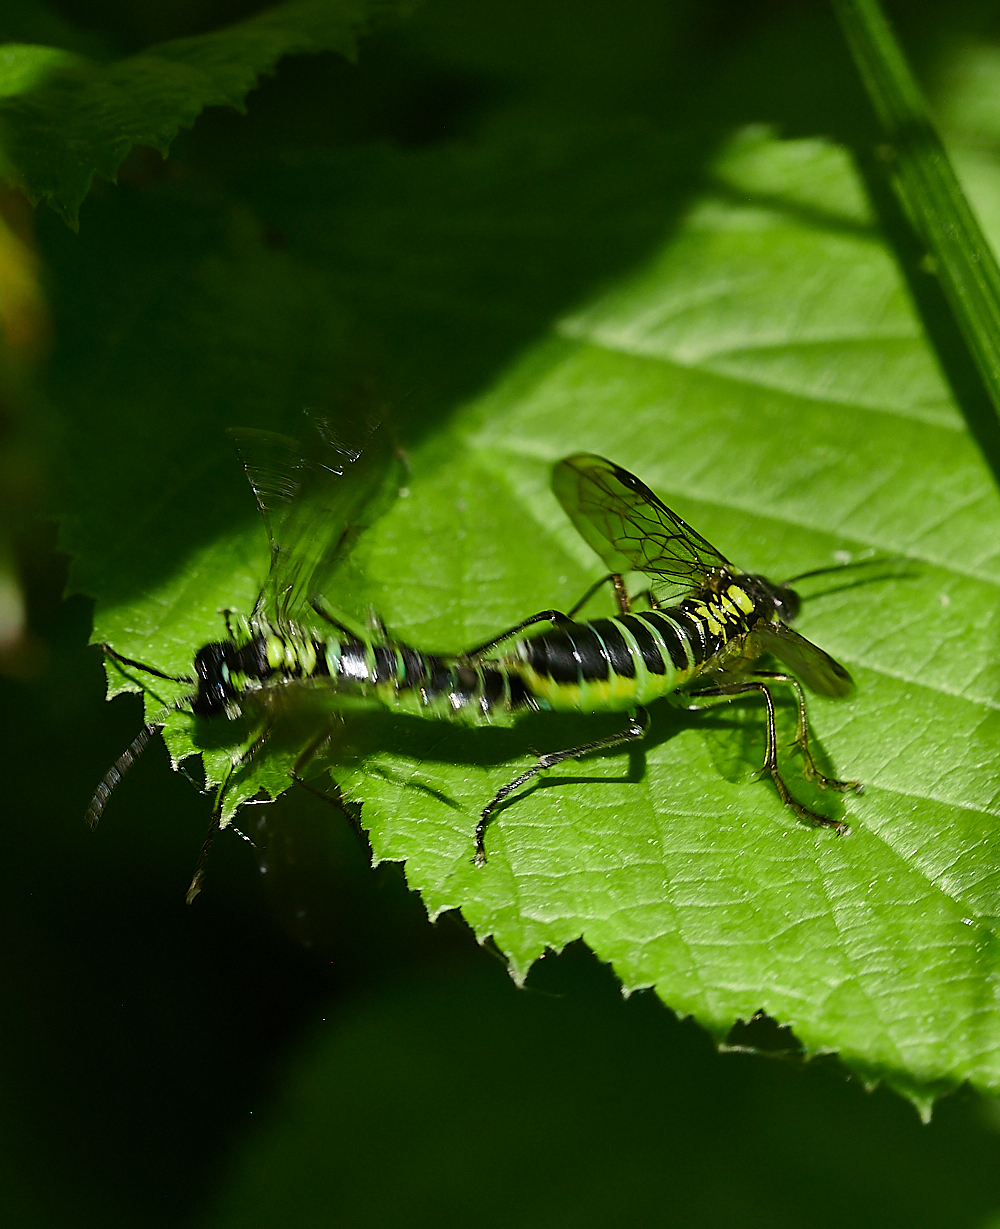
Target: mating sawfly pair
column 700, row 636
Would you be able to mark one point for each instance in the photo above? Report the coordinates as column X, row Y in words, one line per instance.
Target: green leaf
column 763, row 372
column 65, row 119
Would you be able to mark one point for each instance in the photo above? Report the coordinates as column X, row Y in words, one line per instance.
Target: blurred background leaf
column 65, row 119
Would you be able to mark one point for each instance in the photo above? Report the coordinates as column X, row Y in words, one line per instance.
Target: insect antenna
column 844, row 567
column 128, row 757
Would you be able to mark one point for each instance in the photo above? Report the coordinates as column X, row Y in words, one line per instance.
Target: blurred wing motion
column 815, row 668
column 628, row 526
column 315, row 502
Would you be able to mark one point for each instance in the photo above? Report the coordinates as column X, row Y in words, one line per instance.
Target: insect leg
column 544, row 616
column 138, row 665
column 309, row 752
column 802, row 735
column 376, row 625
column 306, row 756
column 621, row 594
column 556, row 616
column 215, row 822
column 589, row 594
column 622, row 599
column 636, row 729
column 770, row 765
column 328, row 618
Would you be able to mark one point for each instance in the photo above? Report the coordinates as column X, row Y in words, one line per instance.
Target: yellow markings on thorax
column 742, row 599
column 725, row 608
column 711, row 616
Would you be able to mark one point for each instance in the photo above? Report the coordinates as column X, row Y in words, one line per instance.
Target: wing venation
column 315, row 501
column 628, row 526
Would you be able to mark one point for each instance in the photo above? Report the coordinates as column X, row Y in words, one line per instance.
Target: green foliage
column 65, row 119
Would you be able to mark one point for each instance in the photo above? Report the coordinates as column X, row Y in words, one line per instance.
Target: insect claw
column 840, row 786
column 840, row 826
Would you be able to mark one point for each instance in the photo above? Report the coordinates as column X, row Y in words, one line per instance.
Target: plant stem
column 927, row 186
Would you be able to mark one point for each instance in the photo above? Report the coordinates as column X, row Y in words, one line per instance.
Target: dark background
column 303, row 1047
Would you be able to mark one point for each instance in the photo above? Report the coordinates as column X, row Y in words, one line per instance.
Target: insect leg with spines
column 755, row 683
column 801, row 740
column 636, row 730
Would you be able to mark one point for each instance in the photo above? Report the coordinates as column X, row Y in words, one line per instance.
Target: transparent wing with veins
column 629, row 527
column 315, row 502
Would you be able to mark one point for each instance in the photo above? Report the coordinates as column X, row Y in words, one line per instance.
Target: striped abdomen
column 392, row 673
column 601, row 665
column 632, row 659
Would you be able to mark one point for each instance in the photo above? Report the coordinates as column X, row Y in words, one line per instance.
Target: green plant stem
column 927, row 186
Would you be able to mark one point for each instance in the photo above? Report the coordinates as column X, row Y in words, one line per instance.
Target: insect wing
column 628, row 526
column 315, row 504
column 273, row 465
column 817, row 669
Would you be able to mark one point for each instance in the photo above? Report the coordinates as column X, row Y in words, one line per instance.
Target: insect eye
column 787, row 603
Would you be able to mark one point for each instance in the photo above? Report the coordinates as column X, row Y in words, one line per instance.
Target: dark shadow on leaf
column 913, row 571
column 429, row 742
column 635, row 773
column 410, row 783
column 820, row 219
column 857, row 576
column 734, row 735
column 214, row 327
